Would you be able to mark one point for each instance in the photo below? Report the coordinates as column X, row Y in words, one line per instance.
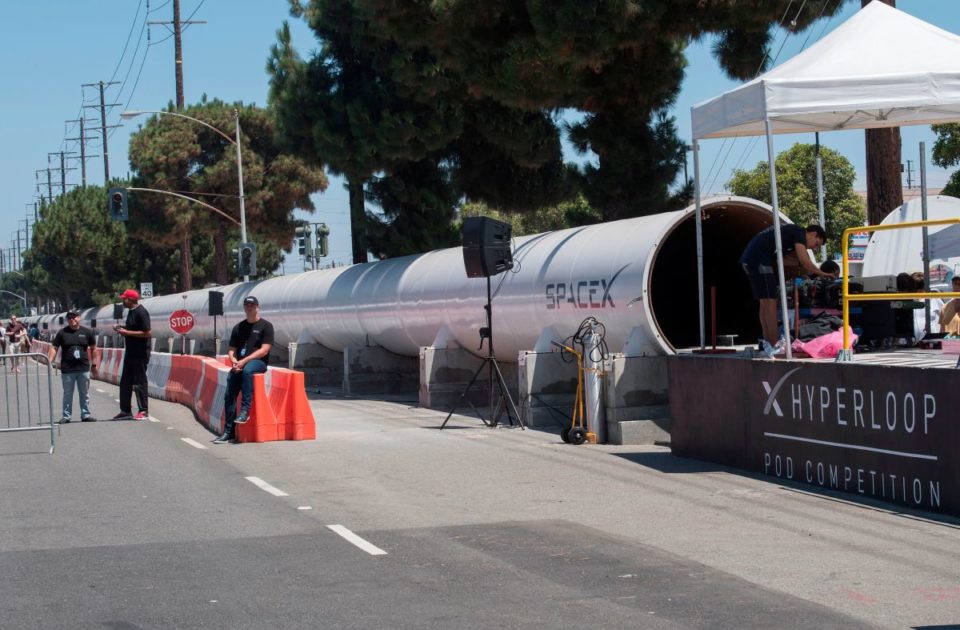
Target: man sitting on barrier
column 249, row 353
column 79, row 356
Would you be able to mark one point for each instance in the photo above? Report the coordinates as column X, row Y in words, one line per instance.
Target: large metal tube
column 638, row 276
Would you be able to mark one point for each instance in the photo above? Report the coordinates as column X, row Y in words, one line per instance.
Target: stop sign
column 181, row 322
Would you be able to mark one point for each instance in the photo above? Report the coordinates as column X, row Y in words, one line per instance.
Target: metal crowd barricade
column 846, row 354
column 27, row 394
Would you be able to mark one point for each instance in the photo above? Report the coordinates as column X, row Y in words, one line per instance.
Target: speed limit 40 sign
column 181, row 322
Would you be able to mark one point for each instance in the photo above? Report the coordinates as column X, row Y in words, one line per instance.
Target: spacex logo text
column 864, row 408
column 593, row 293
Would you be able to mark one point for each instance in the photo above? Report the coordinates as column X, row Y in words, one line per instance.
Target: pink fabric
column 825, row 346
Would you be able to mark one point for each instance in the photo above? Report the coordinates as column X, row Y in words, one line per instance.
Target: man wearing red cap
column 136, row 335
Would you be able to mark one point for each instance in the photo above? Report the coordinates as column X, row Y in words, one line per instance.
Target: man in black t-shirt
column 136, row 335
column 249, row 353
column 79, row 356
column 759, row 261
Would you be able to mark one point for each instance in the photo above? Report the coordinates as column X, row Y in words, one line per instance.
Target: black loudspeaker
column 61, row 320
column 118, row 311
column 486, row 247
column 93, row 323
column 215, row 302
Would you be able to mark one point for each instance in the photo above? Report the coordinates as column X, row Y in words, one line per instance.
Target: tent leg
column 776, row 232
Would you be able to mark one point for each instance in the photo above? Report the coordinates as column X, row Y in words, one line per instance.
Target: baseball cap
column 130, row 294
column 72, row 314
column 250, row 300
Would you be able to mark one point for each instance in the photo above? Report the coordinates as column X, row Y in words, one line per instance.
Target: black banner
column 884, row 432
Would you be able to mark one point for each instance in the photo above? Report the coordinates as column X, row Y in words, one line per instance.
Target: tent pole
column 776, row 234
column 823, row 215
column 926, row 236
column 699, row 223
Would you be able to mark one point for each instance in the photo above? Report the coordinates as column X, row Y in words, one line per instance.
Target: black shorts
column 763, row 282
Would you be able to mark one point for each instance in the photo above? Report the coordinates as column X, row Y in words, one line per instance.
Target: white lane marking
column 100, row 390
column 116, row 400
column 263, row 485
column 152, row 419
column 194, row 443
column 352, row 538
column 304, row 507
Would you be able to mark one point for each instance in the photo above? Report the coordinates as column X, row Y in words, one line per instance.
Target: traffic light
column 301, row 235
column 247, row 259
column 323, row 242
column 118, row 204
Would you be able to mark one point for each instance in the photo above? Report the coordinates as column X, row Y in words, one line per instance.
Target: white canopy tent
column 880, row 68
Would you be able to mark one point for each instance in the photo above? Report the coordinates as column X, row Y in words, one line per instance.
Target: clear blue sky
column 48, row 51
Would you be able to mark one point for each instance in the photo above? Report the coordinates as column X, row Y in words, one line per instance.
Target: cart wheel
column 578, row 435
column 565, row 435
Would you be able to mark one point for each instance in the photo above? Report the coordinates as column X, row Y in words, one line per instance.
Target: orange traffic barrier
column 262, row 425
column 298, row 418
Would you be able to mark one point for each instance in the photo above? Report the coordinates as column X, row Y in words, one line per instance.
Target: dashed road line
column 263, row 485
column 353, row 539
column 100, row 390
column 194, row 443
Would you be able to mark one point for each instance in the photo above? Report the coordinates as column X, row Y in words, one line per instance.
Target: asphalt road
column 150, row 525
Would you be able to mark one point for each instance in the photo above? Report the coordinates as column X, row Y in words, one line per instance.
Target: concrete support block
column 637, row 399
column 445, row 374
column 374, row 370
column 321, row 366
column 547, row 388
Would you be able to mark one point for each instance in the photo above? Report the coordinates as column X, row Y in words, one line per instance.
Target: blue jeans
column 241, row 383
column 82, row 381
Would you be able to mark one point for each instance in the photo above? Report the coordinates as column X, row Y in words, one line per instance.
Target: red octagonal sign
column 181, row 322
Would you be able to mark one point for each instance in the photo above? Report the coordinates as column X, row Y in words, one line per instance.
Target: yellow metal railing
column 876, row 297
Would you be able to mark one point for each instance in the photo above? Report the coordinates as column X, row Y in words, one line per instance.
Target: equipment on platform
column 878, row 284
column 486, row 247
column 484, row 230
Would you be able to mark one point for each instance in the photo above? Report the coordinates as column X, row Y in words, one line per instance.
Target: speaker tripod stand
column 500, row 398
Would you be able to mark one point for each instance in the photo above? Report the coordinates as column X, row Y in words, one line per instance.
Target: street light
column 23, row 297
column 127, row 115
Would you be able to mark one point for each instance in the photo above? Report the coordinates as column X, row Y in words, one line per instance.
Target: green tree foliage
column 797, row 189
column 477, row 87
column 341, row 108
column 946, row 153
column 179, row 155
column 572, row 213
column 417, row 200
column 620, row 62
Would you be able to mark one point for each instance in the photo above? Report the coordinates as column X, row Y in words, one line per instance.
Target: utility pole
column 63, row 169
column 49, row 185
column 186, row 275
column 177, row 26
column 83, row 150
column 103, row 125
column 909, row 174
